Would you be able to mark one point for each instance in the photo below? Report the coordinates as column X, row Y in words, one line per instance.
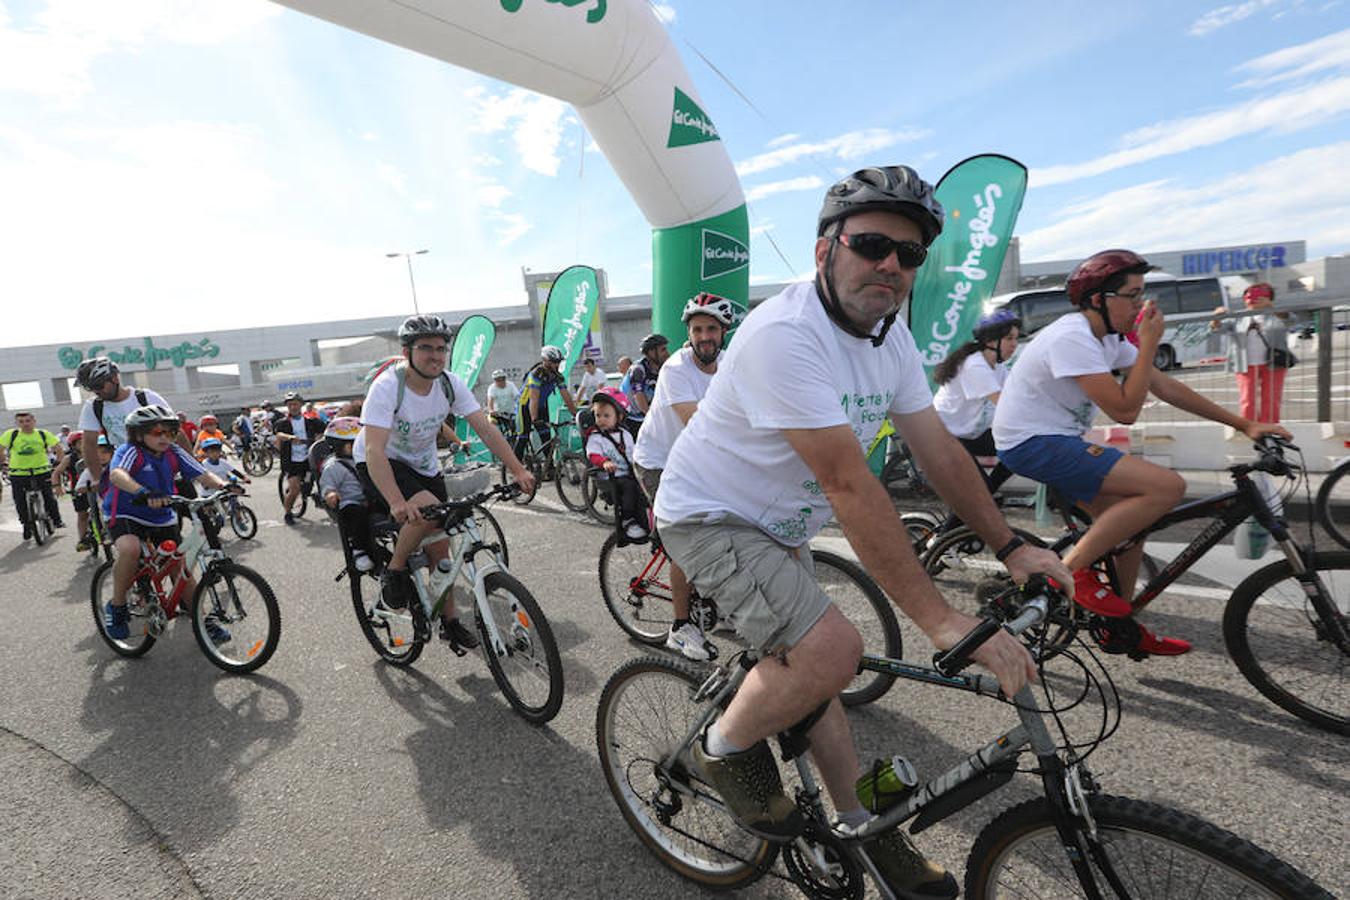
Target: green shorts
column 765, row 590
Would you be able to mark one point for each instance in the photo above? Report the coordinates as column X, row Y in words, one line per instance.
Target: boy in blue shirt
column 136, row 506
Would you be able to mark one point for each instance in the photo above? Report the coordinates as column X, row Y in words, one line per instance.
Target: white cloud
column 1284, row 112
column 491, row 194
column 1304, row 194
column 783, row 139
column 511, row 226
column 52, row 53
column 1327, row 53
column 846, row 146
column 805, row 183
column 535, row 123
column 664, row 11
column 1222, row 16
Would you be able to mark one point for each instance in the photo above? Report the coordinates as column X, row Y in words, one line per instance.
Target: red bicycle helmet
column 1090, row 275
column 1257, row 291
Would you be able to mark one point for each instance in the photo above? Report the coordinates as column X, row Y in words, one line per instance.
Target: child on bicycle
column 137, row 509
column 85, row 484
column 610, row 447
column 1052, row 396
column 213, row 460
column 342, row 491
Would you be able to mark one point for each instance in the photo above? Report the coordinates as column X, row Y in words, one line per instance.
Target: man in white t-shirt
column 592, row 379
column 106, row 412
column 502, row 396
column 395, row 453
column 775, row 449
column 293, row 434
column 684, row 380
column 1061, row 380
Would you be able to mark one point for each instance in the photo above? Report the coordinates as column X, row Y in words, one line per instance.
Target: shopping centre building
column 223, row 370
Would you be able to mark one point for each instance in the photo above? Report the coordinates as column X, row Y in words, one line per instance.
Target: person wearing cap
column 1063, row 377
column 502, row 396
column 1259, row 341
column 775, row 452
column 293, row 434
column 213, row 460
column 208, row 430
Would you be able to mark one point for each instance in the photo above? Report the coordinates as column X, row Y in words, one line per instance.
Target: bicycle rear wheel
column 1286, row 648
column 571, row 481
column 598, row 503
column 647, row 708
column 388, row 631
column 38, row 522
column 235, row 617
column 1333, row 504
column 1156, row 852
column 863, row 603
column 635, row 584
column 138, row 641
column 529, row 673
column 961, row 564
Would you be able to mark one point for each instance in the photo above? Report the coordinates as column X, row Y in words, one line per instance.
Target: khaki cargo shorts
column 765, row 590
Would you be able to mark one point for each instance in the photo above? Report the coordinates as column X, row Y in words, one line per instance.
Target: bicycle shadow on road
column 146, row 707
column 517, row 790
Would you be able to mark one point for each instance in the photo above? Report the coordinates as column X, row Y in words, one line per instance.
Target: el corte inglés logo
column 722, row 254
column 689, row 124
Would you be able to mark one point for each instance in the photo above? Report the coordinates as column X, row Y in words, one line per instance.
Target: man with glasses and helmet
column 107, row 411
column 775, row 451
column 395, row 453
column 540, row 383
column 1063, row 377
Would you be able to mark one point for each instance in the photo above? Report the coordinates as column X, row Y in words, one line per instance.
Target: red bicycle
column 235, row 617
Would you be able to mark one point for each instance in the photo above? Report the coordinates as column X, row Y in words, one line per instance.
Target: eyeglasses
column 437, row 349
column 876, row 247
column 161, row 431
column 1132, row 296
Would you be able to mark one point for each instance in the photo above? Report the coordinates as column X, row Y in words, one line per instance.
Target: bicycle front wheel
column 635, row 583
column 139, row 640
column 647, row 708
column 38, row 522
column 1333, row 504
column 571, row 481
column 1291, row 651
column 529, row 669
column 863, row 603
column 235, row 617
column 492, row 532
column 1155, row 852
column 243, row 521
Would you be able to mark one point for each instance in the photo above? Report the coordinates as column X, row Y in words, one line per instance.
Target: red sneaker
column 1161, row 646
column 1093, row 595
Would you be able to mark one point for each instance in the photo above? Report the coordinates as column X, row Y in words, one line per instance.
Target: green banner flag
column 473, row 343
column 568, row 312
column 982, row 197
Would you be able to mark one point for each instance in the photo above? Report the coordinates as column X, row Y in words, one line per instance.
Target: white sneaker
column 363, row 562
column 635, row 532
column 691, row 643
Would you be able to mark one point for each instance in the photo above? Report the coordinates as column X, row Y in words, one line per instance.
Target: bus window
column 1164, row 294
column 1036, row 310
column 1200, row 296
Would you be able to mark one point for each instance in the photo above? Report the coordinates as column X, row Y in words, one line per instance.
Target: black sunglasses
column 876, row 247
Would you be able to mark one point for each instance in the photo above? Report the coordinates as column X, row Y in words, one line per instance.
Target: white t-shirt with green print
column 413, row 429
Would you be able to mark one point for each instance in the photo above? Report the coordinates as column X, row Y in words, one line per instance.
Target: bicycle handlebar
column 451, row 512
column 1270, row 452
column 952, row 661
column 192, row 503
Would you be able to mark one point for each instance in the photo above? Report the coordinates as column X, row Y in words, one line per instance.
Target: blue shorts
column 1071, row 465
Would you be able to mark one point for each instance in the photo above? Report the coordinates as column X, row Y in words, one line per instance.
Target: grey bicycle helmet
column 95, row 371
column 415, row 327
column 897, row 189
column 551, row 353
column 498, row 373
column 145, row 416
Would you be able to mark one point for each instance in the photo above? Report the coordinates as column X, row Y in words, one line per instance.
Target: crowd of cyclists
column 738, row 455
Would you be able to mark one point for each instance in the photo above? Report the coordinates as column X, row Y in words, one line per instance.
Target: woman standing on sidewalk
column 1258, row 353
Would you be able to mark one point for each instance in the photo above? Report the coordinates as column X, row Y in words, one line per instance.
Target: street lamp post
column 408, row 255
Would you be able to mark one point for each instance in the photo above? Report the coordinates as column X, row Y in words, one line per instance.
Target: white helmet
column 705, row 304
column 145, row 416
column 498, row 373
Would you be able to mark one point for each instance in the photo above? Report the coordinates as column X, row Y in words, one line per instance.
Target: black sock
column 678, row 624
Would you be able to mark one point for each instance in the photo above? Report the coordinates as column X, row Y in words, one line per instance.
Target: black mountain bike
column 1287, row 625
column 1332, row 505
column 1074, row 841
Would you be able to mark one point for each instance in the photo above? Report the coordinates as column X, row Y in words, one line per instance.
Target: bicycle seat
column 381, row 523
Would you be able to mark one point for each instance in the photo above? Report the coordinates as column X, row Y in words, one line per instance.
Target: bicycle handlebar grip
column 958, row 657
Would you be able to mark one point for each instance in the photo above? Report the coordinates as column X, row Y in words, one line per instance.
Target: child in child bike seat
column 610, row 447
column 136, row 506
column 342, row 490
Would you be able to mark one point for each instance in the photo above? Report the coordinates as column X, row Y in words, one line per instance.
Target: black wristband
column 1009, row 548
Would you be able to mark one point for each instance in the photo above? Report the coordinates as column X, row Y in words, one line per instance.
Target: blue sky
column 183, row 165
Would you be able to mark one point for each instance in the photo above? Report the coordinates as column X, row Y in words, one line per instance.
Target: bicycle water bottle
column 165, row 551
column 888, row 783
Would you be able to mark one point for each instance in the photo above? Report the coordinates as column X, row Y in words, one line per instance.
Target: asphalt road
column 330, row 774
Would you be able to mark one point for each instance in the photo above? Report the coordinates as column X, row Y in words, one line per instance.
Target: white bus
column 1188, row 304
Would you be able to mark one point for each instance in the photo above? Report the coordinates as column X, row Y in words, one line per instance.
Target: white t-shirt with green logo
column 413, row 430
column 788, row 367
column 115, row 415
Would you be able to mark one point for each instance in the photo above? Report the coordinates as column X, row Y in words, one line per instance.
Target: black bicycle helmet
column 415, row 327
column 652, row 341
column 95, row 371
